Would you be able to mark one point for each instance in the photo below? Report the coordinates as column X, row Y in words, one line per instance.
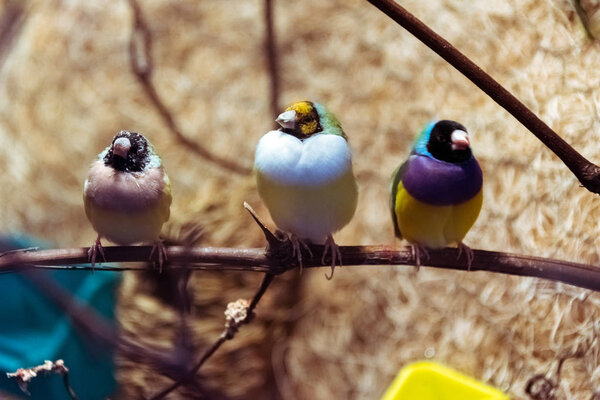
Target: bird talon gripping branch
column 297, row 246
column 419, row 252
column 336, row 255
column 468, row 254
column 161, row 253
column 95, row 249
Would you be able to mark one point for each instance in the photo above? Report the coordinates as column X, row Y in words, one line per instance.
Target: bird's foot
column 336, row 255
column 297, row 246
column 95, row 249
column 417, row 251
column 161, row 253
column 468, row 253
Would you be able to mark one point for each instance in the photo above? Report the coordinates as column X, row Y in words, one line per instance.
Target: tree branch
column 587, row 172
column 259, row 260
column 140, row 56
column 11, row 23
column 272, row 59
column 237, row 314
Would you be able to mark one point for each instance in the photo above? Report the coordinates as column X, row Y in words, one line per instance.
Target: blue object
column 33, row 329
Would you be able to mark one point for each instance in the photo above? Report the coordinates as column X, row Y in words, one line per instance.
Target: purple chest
column 441, row 183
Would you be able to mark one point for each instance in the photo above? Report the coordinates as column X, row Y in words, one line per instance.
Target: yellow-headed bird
column 304, row 176
column 127, row 195
column 436, row 194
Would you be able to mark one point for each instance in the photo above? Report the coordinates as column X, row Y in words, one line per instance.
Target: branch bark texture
column 260, row 260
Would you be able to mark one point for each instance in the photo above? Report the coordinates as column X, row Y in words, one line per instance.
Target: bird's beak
column 287, row 119
column 460, row 140
column 121, row 147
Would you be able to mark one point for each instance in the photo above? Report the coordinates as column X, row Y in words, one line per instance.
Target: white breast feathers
column 314, row 161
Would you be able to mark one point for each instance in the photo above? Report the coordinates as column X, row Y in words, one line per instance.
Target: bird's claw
column 417, row 251
column 95, row 249
column 297, row 245
column 468, row 253
column 161, row 253
column 336, row 255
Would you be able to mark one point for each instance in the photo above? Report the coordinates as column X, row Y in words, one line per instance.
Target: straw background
column 66, row 88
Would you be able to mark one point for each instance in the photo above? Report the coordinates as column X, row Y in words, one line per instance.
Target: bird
column 304, row 177
column 436, row 195
column 127, row 195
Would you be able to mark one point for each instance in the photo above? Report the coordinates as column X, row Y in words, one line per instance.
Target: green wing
column 396, row 178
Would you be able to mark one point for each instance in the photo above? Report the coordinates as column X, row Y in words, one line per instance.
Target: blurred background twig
column 142, row 65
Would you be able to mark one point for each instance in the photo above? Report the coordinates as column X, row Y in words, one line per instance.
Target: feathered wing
column 396, row 178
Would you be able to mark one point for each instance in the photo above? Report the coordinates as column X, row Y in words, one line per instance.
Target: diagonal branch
column 11, row 23
column 140, row 56
column 587, row 172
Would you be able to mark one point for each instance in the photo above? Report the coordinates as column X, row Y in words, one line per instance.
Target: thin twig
column 234, row 259
column 272, row 59
column 25, row 375
column 587, row 172
column 10, row 27
column 583, row 17
column 238, row 313
column 542, row 386
column 272, row 240
column 93, row 325
column 140, row 56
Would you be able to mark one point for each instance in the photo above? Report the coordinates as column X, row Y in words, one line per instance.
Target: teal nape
column 33, row 329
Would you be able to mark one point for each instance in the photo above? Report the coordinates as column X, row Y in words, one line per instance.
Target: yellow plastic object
column 424, row 380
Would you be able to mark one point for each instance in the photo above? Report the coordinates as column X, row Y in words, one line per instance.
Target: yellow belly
column 310, row 212
column 129, row 227
column 435, row 226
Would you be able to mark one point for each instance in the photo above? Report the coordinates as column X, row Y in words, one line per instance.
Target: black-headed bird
column 304, row 176
column 127, row 195
column 436, row 194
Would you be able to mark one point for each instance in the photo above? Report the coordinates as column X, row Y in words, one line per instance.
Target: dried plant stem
column 272, row 60
column 25, row 375
column 231, row 329
column 233, row 259
column 587, row 172
column 11, row 23
column 585, row 21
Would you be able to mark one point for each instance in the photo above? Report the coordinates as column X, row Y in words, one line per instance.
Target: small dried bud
column 22, row 374
column 236, row 312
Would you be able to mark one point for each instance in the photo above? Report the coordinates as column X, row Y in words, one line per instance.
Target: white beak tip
column 460, row 140
column 121, row 147
column 287, row 119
